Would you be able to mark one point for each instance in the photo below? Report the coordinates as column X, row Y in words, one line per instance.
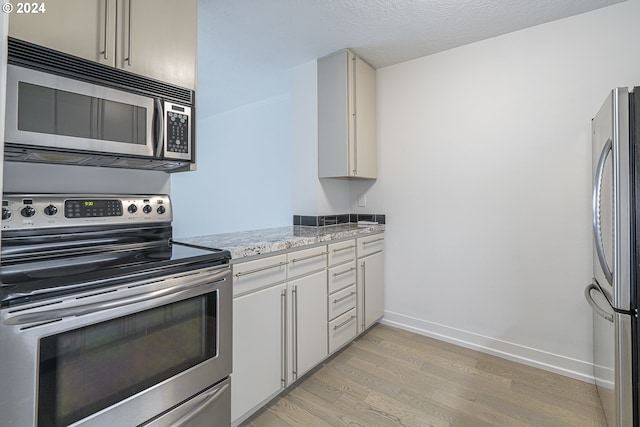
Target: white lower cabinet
column 290, row 311
column 308, row 320
column 370, row 282
column 258, row 348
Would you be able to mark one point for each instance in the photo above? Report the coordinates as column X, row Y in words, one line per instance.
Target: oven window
column 58, row 112
column 88, row 369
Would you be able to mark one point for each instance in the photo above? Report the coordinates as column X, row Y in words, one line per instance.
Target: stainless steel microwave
column 62, row 116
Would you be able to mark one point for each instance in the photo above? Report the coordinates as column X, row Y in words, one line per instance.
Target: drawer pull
column 373, row 241
column 244, row 273
column 309, row 257
column 336, row 301
column 344, row 249
column 346, row 322
column 343, row 272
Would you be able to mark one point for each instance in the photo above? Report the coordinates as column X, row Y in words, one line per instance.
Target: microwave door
column 56, row 113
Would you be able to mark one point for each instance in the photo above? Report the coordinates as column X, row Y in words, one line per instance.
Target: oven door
column 53, row 112
column 120, row 356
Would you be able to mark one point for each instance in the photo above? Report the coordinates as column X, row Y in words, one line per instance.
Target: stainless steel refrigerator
column 616, row 220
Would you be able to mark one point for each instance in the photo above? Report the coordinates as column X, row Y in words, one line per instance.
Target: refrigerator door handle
column 597, row 195
column 594, row 305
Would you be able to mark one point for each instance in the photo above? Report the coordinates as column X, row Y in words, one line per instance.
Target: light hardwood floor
column 391, row 377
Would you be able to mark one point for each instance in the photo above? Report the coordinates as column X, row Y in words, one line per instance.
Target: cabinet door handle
column 336, row 301
column 346, row 322
column 106, row 26
column 344, row 249
column 294, row 294
column 128, row 59
column 283, row 337
column 355, row 118
column 340, row 273
column 308, row 257
column 256, row 270
column 364, row 293
column 373, row 241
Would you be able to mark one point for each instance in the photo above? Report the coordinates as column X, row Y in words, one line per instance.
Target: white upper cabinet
column 84, row 28
column 347, row 127
column 153, row 38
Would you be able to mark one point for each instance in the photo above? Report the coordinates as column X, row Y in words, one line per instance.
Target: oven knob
column 50, row 210
column 6, row 213
column 147, row 209
column 28, row 212
column 132, row 208
column 161, row 210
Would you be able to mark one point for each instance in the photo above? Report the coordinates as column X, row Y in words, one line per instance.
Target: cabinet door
column 158, row 39
column 84, row 28
column 258, row 348
column 334, row 120
column 365, row 140
column 347, row 127
column 370, row 290
column 309, row 340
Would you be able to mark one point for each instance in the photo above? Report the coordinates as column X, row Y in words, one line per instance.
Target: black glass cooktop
column 35, row 268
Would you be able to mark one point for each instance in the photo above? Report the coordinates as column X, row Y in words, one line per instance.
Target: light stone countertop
column 244, row 244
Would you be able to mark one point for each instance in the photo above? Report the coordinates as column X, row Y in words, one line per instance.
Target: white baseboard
column 573, row 368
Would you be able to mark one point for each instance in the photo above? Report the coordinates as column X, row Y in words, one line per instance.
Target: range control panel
column 28, row 211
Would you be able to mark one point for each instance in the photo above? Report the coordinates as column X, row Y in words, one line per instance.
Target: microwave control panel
column 177, row 131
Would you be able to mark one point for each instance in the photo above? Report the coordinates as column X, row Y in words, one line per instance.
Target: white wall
column 45, row 178
column 304, row 139
column 310, row 195
column 484, row 174
column 243, row 177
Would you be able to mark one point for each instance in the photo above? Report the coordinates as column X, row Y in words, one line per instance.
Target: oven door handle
column 161, row 295
column 207, row 399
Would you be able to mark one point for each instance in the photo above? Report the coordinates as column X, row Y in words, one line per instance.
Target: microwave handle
column 159, row 131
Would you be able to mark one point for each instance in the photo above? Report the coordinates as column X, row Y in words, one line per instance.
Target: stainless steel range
column 105, row 321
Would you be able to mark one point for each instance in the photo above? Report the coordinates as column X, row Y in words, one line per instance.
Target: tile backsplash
column 321, row 221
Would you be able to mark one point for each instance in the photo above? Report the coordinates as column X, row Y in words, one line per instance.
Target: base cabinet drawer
column 342, row 276
column 306, row 261
column 342, row 329
column 342, row 301
column 370, row 245
column 342, row 252
column 252, row 275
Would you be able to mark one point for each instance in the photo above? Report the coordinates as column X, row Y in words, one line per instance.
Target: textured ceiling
column 247, row 47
